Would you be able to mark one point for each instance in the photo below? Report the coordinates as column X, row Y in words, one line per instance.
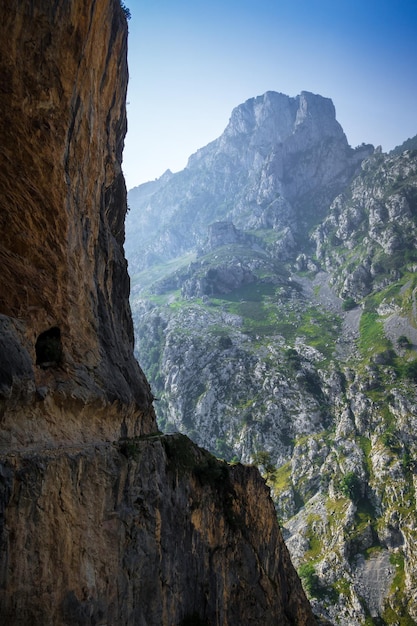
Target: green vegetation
column 350, row 486
column 180, row 452
column 396, row 612
column 342, row 586
column 372, row 551
column 262, row 458
column 372, row 337
column 212, row 471
column 365, row 515
column 404, row 342
column 262, row 354
column 316, row 545
column 336, row 511
column 130, row 449
column 184, row 458
column 349, row 303
column 410, row 370
column 159, row 272
column 366, row 447
column 282, row 478
column 126, row 11
column 309, row 579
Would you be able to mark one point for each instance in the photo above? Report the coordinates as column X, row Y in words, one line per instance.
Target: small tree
column 350, row 486
column 404, row 342
column 262, row 458
column 349, row 303
column 411, row 370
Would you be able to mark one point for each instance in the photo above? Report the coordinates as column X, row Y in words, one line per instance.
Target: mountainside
column 284, row 333
column 103, row 519
column 276, row 156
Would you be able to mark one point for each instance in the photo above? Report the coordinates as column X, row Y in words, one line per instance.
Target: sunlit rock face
column 102, row 519
column 63, row 201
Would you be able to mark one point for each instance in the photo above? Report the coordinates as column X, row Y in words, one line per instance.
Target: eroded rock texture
column 63, row 200
column 156, row 535
column 99, row 523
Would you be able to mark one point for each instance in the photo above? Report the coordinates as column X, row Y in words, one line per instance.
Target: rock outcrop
column 102, row 519
column 159, row 534
column 376, row 217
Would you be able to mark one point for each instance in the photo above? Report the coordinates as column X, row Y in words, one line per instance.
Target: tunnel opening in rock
column 49, row 348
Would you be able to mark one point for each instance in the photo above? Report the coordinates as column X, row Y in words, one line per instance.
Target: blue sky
column 191, row 62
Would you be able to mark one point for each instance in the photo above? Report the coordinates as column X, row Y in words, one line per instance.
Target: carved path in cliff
column 53, row 450
column 68, row 448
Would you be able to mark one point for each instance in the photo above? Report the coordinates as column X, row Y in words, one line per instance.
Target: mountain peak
column 275, row 152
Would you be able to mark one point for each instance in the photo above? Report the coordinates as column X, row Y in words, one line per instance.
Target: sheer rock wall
column 63, row 201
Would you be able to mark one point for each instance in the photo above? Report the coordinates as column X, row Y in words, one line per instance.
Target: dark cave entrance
column 49, row 348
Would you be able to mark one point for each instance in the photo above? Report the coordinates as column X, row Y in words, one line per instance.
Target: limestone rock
column 298, row 352
column 375, row 215
column 63, row 201
column 278, row 162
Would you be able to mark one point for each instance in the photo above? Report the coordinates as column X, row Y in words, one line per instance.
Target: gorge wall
column 103, row 520
column 64, row 80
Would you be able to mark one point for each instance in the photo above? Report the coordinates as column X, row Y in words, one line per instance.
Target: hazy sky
column 192, row 61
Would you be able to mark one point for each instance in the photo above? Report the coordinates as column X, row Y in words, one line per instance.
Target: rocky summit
column 274, row 304
column 104, row 520
column 277, row 157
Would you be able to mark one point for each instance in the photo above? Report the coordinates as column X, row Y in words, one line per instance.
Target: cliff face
column 63, row 201
column 156, row 535
column 101, row 522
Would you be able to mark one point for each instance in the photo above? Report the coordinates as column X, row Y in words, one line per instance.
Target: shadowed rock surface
column 101, row 522
column 63, row 202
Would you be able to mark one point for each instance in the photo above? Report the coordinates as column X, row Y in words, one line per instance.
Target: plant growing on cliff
column 130, row 449
column 410, row 370
column 126, row 11
column 309, row 578
column 262, row 458
column 404, row 342
column 212, row 472
column 349, row 303
column 350, row 486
